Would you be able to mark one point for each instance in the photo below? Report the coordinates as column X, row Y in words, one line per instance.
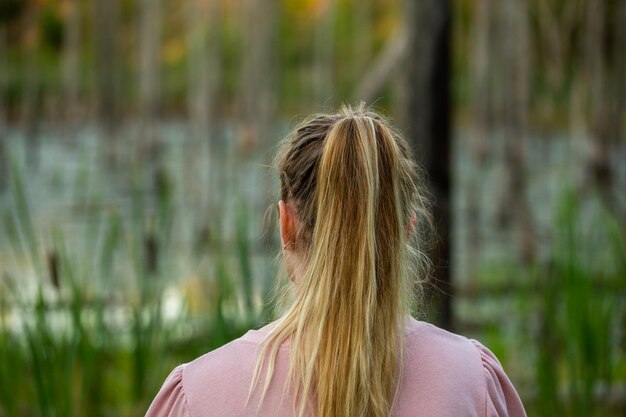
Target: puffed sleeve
column 500, row 397
column 170, row 401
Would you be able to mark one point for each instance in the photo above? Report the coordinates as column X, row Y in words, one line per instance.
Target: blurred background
column 135, row 144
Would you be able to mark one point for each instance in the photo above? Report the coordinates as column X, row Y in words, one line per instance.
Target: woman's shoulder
column 429, row 336
column 439, row 352
column 455, row 363
column 446, row 369
column 171, row 400
column 218, row 379
column 227, row 367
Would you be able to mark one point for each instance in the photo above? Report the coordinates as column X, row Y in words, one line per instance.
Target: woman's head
column 350, row 198
column 299, row 156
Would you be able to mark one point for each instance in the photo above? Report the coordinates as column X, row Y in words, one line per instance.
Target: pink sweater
column 444, row 375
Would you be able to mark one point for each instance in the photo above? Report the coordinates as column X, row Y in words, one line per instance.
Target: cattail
column 53, row 269
column 151, row 253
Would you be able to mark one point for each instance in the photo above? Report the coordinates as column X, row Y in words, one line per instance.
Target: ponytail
column 346, row 321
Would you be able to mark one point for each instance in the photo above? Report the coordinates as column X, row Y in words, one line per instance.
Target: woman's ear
column 287, row 224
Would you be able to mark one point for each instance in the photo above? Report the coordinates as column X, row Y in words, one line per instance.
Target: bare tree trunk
column 71, row 66
column 259, row 73
column 204, row 68
column 619, row 72
column 479, row 138
column 106, row 23
column 594, row 54
column 557, row 28
column 3, row 78
column 515, row 59
column 31, row 105
column 557, row 25
column 204, row 65
column 426, row 121
column 4, row 158
column 618, row 130
column 259, row 85
column 149, row 92
column 550, row 28
column 481, row 84
column 605, row 75
column 323, row 54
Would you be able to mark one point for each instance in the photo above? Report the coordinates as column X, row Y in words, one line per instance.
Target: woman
column 350, row 213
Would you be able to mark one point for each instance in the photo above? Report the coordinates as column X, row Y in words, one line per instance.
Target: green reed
column 92, row 339
column 580, row 308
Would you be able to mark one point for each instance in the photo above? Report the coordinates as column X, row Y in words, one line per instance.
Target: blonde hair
column 355, row 188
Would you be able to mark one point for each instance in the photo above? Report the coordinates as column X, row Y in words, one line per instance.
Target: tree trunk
column 106, row 24
column 481, row 85
column 619, row 87
column 515, row 63
column 599, row 167
column 3, row 78
column 31, row 104
column 149, row 92
column 4, row 158
column 204, row 68
column 71, row 66
column 479, row 137
column 362, row 37
column 259, row 73
column 605, row 74
column 259, row 85
column 425, row 117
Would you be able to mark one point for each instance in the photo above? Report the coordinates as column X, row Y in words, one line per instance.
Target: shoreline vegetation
column 137, row 223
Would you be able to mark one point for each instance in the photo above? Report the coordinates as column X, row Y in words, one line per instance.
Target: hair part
column 355, row 187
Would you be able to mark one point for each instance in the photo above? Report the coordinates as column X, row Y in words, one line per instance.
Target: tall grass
column 581, row 310
column 92, row 339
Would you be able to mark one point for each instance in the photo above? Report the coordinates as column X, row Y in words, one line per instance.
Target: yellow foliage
column 173, row 50
column 193, row 293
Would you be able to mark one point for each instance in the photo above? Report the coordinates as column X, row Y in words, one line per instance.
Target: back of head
column 356, row 192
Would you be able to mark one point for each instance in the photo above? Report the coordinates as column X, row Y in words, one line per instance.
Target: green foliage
column 244, row 255
column 84, row 345
column 580, row 309
column 52, row 28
